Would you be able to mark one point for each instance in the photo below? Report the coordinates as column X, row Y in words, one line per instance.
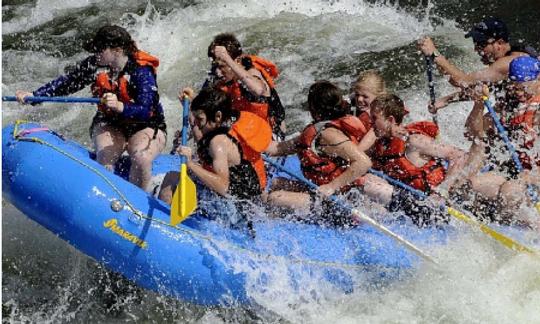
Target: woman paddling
column 130, row 116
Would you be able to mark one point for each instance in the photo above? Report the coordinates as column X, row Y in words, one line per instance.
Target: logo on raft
column 112, row 224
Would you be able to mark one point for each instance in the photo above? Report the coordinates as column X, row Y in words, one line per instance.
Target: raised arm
column 252, row 78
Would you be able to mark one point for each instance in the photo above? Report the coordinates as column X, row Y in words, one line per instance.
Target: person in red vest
column 410, row 154
column 229, row 161
column 497, row 192
column 521, row 122
column 130, row 116
column 328, row 152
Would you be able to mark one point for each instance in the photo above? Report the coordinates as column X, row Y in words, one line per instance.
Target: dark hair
column 211, row 100
column 111, row 36
column 325, row 101
column 227, row 40
column 389, row 105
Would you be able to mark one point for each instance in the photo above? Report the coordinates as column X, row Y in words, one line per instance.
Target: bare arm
column 474, row 124
column 218, row 178
column 426, row 145
column 367, row 142
column 334, row 143
column 283, row 148
column 252, row 79
column 495, row 72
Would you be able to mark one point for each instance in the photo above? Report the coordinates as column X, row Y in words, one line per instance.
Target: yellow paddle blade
column 501, row 238
column 184, row 200
column 537, row 206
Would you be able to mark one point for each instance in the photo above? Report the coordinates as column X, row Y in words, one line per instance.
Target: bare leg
column 167, row 187
column 109, row 143
column 290, row 194
column 290, row 199
column 488, row 184
column 377, row 189
column 143, row 149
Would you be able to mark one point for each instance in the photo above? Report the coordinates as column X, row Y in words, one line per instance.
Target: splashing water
column 45, row 280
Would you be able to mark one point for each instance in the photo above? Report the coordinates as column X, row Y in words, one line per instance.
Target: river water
column 46, row 280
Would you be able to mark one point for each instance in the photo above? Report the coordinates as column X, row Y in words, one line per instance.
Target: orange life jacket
column 323, row 169
column 120, row 87
column 521, row 128
column 389, row 157
column 242, row 101
column 253, row 136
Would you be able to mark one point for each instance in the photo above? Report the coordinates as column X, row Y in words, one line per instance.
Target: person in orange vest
column 328, row 152
column 230, row 164
column 248, row 79
column 130, row 116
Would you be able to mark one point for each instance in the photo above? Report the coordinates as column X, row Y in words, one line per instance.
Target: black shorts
column 127, row 128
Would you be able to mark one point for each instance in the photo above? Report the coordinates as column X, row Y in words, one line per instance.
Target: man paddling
column 491, row 42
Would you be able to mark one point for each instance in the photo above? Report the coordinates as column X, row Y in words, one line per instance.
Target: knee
column 511, row 193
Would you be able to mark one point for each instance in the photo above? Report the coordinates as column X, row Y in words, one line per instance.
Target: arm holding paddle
column 218, row 178
column 76, row 79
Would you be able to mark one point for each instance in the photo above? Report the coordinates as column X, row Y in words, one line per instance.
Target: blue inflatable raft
column 56, row 183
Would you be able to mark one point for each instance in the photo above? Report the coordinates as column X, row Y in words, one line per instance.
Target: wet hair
column 372, row 80
column 211, row 100
column 325, row 101
column 111, row 36
column 389, row 105
column 227, row 40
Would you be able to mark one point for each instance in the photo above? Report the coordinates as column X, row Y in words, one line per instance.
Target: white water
column 479, row 281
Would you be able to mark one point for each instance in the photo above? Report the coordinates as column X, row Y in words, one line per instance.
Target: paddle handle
column 185, row 125
column 31, row 99
column 431, row 85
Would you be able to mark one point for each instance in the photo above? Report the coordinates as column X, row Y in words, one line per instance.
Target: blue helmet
column 524, row 68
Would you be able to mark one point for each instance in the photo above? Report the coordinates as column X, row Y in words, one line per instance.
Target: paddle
column 358, row 215
column 499, row 237
column 517, row 162
column 54, row 99
column 431, row 85
column 184, row 200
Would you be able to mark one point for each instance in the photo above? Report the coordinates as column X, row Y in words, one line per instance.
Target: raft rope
column 327, row 264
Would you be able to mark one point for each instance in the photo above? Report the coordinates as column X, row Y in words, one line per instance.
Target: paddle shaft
column 358, row 215
column 431, row 85
column 515, row 157
column 54, row 99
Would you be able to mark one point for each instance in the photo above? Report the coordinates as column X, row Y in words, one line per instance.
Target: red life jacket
column 253, row 135
column 242, row 101
column 521, row 128
column 389, row 157
column 323, row 169
column 120, row 87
